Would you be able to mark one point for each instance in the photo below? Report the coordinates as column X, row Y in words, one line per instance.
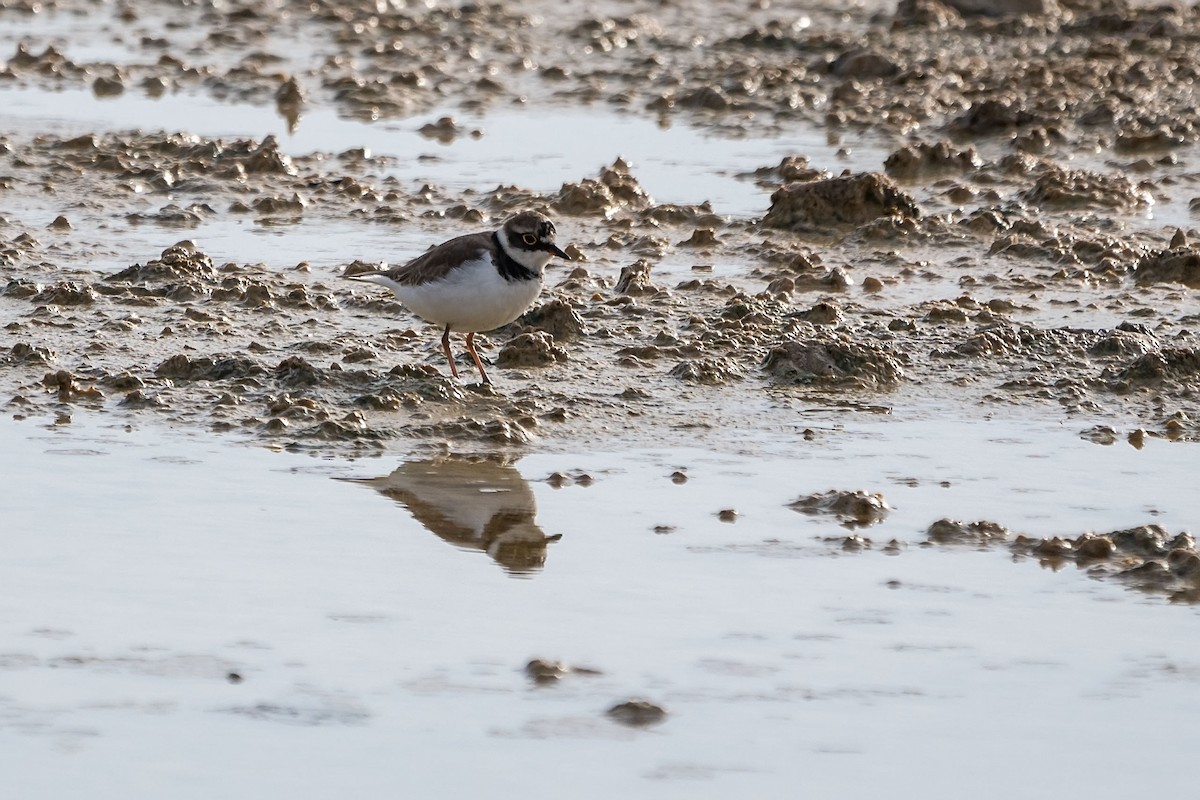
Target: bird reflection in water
column 473, row 504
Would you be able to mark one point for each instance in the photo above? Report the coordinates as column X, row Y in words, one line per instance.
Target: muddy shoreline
column 1004, row 258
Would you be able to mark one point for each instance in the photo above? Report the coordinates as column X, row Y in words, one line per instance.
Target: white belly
column 473, row 297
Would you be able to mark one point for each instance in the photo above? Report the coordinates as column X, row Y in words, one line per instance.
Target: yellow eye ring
column 529, row 239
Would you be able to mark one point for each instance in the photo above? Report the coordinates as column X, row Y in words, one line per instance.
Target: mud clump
column 1005, row 8
column 106, row 86
column 932, row 14
column 707, row 371
column 1100, row 434
column 544, row 672
column 280, row 205
column 296, row 372
column 206, row 368
column 66, row 293
column 1149, row 541
column 164, row 164
column 751, row 317
column 924, row 160
column 586, row 197
column 25, row 353
column 1073, row 189
column 1127, row 340
column 953, row 532
column 139, row 399
column 1020, row 340
column 623, row 186
column 864, row 63
column 789, row 169
column 1141, row 141
column 557, row 318
column 701, row 237
column 1169, row 367
column 614, row 33
column 834, row 362
column 290, row 99
column 855, row 509
column 707, row 98
column 263, row 158
column 494, row 431
column 992, row 116
column 822, row 314
column 677, row 214
column 849, row 200
column 67, row 389
column 637, row 713
column 635, row 279
column 536, row 349
column 17, row 249
column 615, row 188
column 172, row 215
column 1176, row 265
column 1146, row 558
column 444, row 130
column 181, row 262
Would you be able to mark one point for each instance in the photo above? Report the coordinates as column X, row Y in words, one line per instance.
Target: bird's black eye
column 529, row 239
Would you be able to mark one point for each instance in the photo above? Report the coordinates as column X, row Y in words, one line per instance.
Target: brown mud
column 1147, row 558
column 1001, row 260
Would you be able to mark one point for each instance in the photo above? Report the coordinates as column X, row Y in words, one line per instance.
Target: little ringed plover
column 476, row 282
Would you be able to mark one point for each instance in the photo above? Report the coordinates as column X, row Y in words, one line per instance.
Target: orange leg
column 446, row 350
column 474, row 355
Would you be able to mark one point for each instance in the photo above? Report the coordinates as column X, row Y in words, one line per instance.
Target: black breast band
column 510, row 269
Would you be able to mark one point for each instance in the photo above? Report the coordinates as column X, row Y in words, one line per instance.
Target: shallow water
column 539, row 149
column 536, row 148
column 374, row 656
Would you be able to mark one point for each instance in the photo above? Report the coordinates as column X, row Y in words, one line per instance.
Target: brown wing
column 434, row 263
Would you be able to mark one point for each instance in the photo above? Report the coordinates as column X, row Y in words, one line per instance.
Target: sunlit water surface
column 377, row 654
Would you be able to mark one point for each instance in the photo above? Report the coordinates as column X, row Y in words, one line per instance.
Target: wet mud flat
column 1004, row 255
column 971, row 230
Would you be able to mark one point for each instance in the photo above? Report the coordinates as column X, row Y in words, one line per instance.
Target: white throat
column 535, row 260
